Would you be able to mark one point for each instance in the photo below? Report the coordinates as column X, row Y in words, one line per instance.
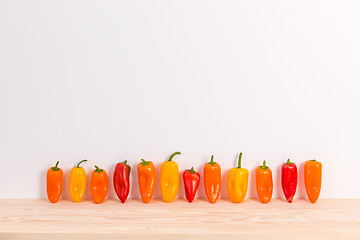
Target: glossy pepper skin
column 289, row 178
column 146, row 178
column 169, row 179
column 191, row 183
column 122, row 181
column 98, row 185
column 312, row 177
column 54, row 181
column 212, row 180
column 237, row 182
column 264, row 183
column 77, row 183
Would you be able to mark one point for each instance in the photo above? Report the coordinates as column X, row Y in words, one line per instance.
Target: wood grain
column 39, row 219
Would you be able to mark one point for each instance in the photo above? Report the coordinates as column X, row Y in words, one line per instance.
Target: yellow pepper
column 169, row 179
column 237, row 182
column 77, row 183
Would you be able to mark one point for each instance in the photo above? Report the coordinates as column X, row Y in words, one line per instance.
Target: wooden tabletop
column 39, row 219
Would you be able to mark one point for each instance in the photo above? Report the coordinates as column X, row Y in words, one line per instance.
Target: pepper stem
column 264, row 165
column 314, row 160
column 144, row 162
column 172, row 155
column 56, row 167
column 288, row 162
column 81, row 162
column 212, row 160
column 98, row 169
column 191, row 170
column 239, row 161
column 125, row 162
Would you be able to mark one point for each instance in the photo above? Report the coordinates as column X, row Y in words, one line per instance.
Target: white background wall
column 115, row 80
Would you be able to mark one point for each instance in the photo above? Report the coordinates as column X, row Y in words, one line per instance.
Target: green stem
column 144, row 162
column 264, row 165
column 192, row 170
column 56, row 167
column 239, row 161
column 172, row 155
column 98, row 169
column 288, row 162
column 125, row 162
column 314, row 160
column 81, row 162
column 212, row 160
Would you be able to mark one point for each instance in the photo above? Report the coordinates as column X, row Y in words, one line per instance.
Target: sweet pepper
column 98, row 185
column 121, row 180
column 312, row 177
column 146, row 178
column 77, row 183
column 54, row 181
column 169, row 179
column 289, row 177
column 191, row 183
column 264, row 183
column 237, row 182
column 212, row 180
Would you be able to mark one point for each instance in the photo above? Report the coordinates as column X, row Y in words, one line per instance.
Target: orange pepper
column 146, row 177
column 98, row 185
column 212, row 180
column 264, row 183
column 312, row 177
column 54, row 180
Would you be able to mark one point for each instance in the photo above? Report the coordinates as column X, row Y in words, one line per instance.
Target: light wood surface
column 39, row 219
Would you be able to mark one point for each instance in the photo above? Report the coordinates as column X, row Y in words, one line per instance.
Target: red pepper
column 289, row 177
column 121, row 180
column 191, row 183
